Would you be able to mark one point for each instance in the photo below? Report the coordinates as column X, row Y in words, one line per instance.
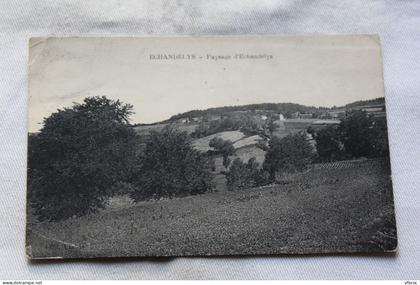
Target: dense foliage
column 87, row 153
column 78, row 155
column 171, row 167
column 328, row 144
column 245, row 175
column 289, row 154
column 358, row 135
column 363, row 135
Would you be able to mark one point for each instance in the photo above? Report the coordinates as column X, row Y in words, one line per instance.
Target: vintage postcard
column 197, row 146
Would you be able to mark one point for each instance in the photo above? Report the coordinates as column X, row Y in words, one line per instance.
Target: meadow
column 331, row 208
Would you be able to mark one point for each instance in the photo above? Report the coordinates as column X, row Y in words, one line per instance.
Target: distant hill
column 267, row 107
column 280, row 108
column 376, row 101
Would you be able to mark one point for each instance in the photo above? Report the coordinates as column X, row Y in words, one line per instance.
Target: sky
column 208, row 72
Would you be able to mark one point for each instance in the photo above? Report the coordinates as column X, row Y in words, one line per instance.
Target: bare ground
column 332, row 208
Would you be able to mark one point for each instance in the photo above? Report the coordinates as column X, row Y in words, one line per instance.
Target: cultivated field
column 202, row 144
column 340, row 207
column 245, row 148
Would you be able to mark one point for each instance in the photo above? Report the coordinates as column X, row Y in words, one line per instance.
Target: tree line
column 269, row 107
column 358, row 135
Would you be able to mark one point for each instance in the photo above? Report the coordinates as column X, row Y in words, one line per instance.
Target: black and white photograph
column 207, row 146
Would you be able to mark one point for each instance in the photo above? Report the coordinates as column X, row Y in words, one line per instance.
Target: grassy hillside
column 143, row 130
column 338, row 207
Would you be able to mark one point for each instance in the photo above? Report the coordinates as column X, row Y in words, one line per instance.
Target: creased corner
column 66, row 244
column 36, row 47
column 28, row 252
column 375, row 38
column 33, row 42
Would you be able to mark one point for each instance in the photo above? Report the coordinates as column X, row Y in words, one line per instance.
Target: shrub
column 245, row 175
column 363, row 135
column 79, row 153
column 171, row 167
column 328, row 144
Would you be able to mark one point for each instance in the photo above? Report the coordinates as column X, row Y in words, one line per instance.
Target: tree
column 225, row 147
column 171, row 167
column 78, row 155
column 380, row 145
column 249, row 126
column 245, row 175
column 289, row 154
column 328, row 144
column 358, row 134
